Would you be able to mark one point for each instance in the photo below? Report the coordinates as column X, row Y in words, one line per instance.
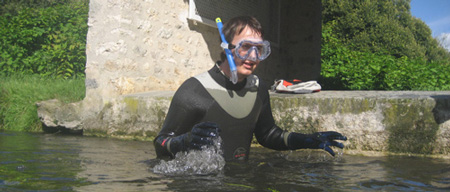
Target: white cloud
column 444, row 40
column 440, row 25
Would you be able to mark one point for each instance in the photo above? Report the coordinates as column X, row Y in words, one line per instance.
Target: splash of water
column 207, row 161
column 340, row 155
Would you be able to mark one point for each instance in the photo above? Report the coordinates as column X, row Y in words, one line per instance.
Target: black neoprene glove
column 318, row 140
column 202, row 134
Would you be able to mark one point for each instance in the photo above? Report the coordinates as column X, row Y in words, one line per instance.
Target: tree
column 13, row 6
column 382, row 26
column 45, row 40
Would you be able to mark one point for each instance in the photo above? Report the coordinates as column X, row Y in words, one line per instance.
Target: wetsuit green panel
column 237, row 103
column 240, row 110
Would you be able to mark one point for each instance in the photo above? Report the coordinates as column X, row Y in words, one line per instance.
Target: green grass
column 19, row 95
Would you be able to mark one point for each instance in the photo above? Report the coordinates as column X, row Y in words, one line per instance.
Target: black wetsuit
column 239, row 109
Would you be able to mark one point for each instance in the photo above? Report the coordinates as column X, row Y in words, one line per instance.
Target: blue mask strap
column 228, row 53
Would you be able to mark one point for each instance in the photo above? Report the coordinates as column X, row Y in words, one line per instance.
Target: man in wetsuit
column 210, row 105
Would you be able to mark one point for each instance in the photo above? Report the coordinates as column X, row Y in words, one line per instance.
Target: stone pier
column 376, row 122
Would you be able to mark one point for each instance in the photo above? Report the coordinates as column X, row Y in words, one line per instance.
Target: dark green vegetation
column 379, row 45
column 46, row 37
column 42, row 57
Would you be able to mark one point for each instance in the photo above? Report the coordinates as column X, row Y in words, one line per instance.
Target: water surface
column 47, row 162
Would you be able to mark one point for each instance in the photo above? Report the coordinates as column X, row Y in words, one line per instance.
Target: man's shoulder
column 190, row 84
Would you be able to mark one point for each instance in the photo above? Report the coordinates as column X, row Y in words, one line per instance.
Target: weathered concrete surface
column 57, row 116
column 376, row 122
column 151, row 45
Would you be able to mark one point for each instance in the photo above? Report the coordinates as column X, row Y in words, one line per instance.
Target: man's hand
column 318, row 140
column 202, row 134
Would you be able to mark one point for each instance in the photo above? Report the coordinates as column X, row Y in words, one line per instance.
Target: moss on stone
column 136, row 135
column 107, row 106
column 411, row 126
column 345, row 105
column 160, row 113
column 131, row 104
column 403, row 126
column 95, row 132
column 310, row 125
column 150, row 134
column 410, row 123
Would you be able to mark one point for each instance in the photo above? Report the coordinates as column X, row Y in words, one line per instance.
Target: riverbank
column 376, row 122
column 19, row 94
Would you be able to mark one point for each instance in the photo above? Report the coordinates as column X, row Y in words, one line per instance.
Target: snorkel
column 228, row 53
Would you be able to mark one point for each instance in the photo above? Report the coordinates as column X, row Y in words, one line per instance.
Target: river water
column 47, row 162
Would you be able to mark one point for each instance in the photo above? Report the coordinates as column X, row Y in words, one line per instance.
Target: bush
column 382, row 25
column 346, row 69
column 49, row 41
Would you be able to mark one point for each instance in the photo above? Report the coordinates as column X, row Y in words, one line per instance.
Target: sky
column 436, row 14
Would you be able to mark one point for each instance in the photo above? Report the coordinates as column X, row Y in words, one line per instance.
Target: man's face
column 246, row 67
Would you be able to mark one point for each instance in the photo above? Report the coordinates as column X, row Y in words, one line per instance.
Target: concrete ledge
column 376, row 122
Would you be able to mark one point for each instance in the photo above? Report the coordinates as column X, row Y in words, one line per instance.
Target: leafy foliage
column 378, row 25
column 347, row 69
column 13, row 6
column 49, row 41
column 378, row 45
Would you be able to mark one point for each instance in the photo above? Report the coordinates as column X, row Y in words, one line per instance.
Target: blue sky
column 436, row 14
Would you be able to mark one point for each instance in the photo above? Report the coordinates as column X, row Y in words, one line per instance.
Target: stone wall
column 148, row 45
column 376, row 122
column 136, row 46
column 405, row 122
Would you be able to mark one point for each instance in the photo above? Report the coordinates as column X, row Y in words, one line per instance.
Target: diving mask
column 251, row 50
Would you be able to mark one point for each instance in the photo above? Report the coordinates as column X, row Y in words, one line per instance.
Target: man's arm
column 184, row 112
column 271, row 136
column 266, row 132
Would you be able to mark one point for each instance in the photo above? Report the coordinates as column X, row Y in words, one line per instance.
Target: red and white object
column 295, row 86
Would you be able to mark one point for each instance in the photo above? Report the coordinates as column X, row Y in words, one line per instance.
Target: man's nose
column 252, row 55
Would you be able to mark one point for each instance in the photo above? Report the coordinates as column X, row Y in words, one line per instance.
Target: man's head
column 241, row 32
column 236, row 25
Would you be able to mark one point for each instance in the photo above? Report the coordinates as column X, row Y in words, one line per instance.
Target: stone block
column 376, row 122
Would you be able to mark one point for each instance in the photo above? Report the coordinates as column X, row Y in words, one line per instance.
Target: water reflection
column 111, row 164
column 32, row 162
column 68, row 163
